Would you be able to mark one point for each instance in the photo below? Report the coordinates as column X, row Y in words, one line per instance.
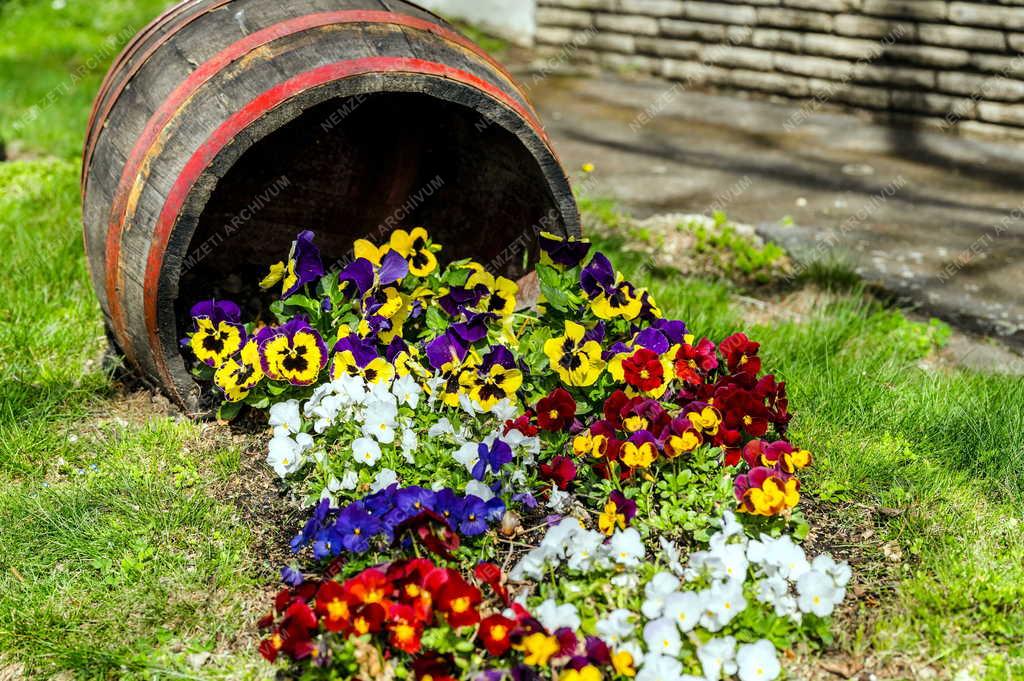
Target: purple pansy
column 446, row 348
column 304, row 263
column 597, row 276
column 568, row 252
column 355, row 528
column 493, row 458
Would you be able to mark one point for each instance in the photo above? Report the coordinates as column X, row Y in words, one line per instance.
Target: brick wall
column 952, row 65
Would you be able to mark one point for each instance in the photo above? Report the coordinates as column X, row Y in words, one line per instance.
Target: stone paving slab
column 934, row 219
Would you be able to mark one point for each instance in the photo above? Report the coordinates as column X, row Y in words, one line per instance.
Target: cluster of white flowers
column 776, row 571
column 820, row 584
column 287, row 450
column 581, row 549
column 376, row 409
column 374, row 406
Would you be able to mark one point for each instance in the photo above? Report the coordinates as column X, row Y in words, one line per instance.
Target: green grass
column 116, row 559
column 51, row 64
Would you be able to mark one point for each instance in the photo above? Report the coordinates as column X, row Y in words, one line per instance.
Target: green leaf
column 436, row 320
column 553, row 288
column 228, row 411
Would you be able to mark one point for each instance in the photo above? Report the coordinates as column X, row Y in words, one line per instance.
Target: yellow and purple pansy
column 293, row 352
column 240, row 374
column 362, row 275
column 218, row 333
column 576, row 359
column 416, row 248
column 610, row 294
column 354, row 356
column 496, row 379
column 567, row 252
column 497, row 294
column 302, row 267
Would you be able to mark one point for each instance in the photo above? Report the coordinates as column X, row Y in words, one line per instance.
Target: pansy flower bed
column 579, row 488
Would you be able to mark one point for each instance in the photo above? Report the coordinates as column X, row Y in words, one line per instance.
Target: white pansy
column 505, row 410
column 718, row 657
column 559, row 501
column 655, row 593
column 616, row 627
column 671, row 554
column 660, row 668
column 586, row 550
column 379, row 421
column 468, row 454
column 319, row 392
column 385, row 478
column 353, row 388
column 723, row 601
column 627, row 580
column 758, row 661
column 350, row 480
column 285, row 454
column 366, row 451
column 778, row 556
column 661, row 636
column 381, row 392
column 478, row 489
column 684, row 608
column 774, row 591
column 554, row 616
column 531, row 565
column 410, row 442
column 734, row 561
column 442, row 427
column 704, row 564
column 626, row 547
column 285, row 417
column 817, row 593
column 407, row 390
column 325, row 414
column 731, row 526
column 840, row 572
column 557, row 538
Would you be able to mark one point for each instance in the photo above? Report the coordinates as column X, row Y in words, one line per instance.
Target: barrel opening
column 359, row 167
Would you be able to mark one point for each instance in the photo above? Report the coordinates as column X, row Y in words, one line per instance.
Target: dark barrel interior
column 358, row 167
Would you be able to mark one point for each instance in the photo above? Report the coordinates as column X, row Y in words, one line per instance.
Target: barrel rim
column 160, row 119
column 108, row 95
column 236, row 136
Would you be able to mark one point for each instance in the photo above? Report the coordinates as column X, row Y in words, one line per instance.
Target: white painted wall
column 514, row 20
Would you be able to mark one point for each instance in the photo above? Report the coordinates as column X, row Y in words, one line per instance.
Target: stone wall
column 952, row 65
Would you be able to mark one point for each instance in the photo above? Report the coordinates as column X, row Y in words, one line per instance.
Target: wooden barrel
column 228, row 126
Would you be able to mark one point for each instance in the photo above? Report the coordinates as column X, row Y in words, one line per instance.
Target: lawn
column 128, row 550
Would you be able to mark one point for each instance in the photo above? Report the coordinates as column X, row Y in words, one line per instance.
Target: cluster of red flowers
column 397, row 602
column 713, row 396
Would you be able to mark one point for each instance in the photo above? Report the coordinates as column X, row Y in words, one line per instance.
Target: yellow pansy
column 496, row 385
column 577, row 362
column 275, row 275
column 539, row 649
column 500, row 298
column 414, row 247
column 213, row 343
column 237, row 376
column 366, row 249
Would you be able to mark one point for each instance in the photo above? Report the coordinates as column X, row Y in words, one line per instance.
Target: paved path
column 936, row 220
